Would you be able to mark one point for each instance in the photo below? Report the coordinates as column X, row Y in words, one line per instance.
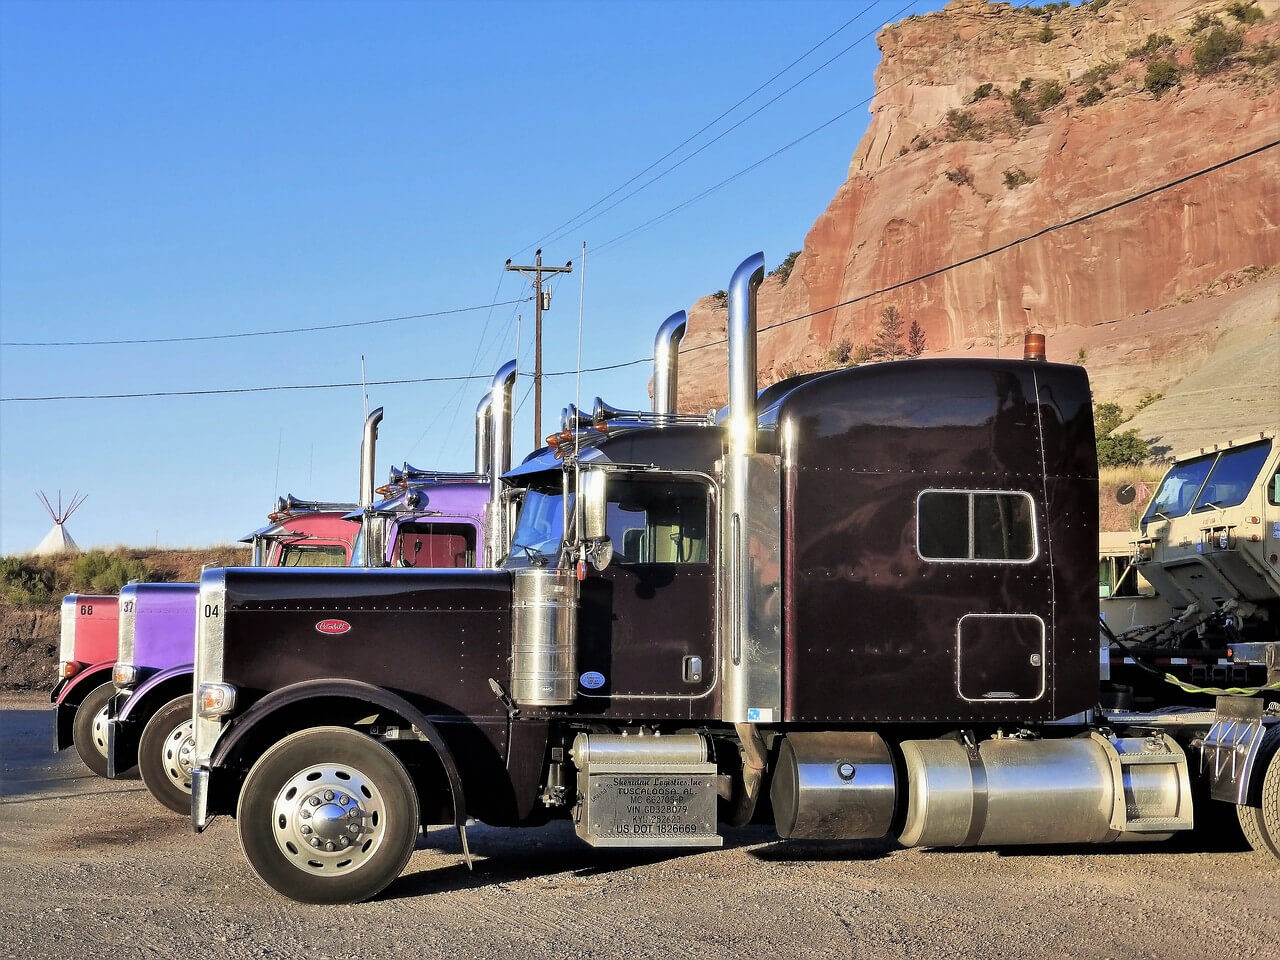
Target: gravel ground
column 90, row 861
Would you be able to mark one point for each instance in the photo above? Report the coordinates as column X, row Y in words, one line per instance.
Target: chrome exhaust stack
column 368, row 464
column 500, row 417
column 666, row 362
column 749, row 562
column 484, row 433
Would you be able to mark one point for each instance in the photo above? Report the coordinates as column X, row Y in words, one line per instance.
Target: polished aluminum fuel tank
column 833, row 785
column 544, row 647
column 1091, row 789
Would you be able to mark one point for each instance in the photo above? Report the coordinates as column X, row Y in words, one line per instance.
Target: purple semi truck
column 427, row 519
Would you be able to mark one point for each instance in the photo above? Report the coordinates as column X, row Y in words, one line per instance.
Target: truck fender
column 69, row 696
column 157, row 690
column 240, row 734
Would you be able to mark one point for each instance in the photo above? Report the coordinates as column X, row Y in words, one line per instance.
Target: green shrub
column 961, row 123
column 922, row 144
column 721, row 298
column 1123, row 450
column 1046, row 34
column 100, row 572
column 1162, row 75
column 1216, row 49
column 1082, row 356
column 1246, row 13
column 960, row 176
column 23, row 584
column 1025, row 85
column 1154, row 43
column 783, row 270
column 1015, row 177
column 1106, row 417
column 981, row 92
column 1089, row 97
column 839, row 353
column 1263, row 54
column 1023, row 109
column 1099, row 72
column 1202, row 22
column 1148, row 399
column 1051, row 94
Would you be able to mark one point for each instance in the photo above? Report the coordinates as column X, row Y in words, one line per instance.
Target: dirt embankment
column 34, row 587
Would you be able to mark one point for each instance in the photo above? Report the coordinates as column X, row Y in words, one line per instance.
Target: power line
column 724, row 133
column 697, row 133
column 745, row 170
column 258, row 333
column 1044, row 231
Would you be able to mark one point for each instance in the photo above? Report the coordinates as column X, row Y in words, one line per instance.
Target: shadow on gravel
column 512, row 855
column 793, row 851
column 138, row 829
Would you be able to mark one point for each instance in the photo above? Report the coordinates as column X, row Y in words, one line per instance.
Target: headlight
column 216, row 699
column 124, row 675
column 67, row 668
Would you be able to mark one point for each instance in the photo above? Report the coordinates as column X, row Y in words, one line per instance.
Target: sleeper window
column 988, row 526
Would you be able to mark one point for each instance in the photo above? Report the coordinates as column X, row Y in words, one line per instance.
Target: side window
column 978, row 526
column 435, row 545
column 313, row 555
column 657, row 521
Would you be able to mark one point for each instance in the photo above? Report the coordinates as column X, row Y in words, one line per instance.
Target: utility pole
column 541, row 301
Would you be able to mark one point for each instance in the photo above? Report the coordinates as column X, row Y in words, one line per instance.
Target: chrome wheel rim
column 178, row 755
column 99, row 730
column 329, row 819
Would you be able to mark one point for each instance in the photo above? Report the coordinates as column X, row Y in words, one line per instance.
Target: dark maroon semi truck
column 856, row 604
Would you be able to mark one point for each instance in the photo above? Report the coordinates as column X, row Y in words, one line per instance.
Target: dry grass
column 1118, row 516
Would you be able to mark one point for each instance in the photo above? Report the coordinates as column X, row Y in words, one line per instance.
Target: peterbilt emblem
column 332, row 628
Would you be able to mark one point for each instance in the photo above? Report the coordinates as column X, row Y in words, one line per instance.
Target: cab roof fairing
column 463, row 498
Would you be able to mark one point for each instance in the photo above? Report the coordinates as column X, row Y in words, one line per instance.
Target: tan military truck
column 1126, row 598
column 1210, row 541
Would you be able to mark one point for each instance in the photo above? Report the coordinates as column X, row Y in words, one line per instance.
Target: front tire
column 328, row 815
column 89, row 728
column 165, row 753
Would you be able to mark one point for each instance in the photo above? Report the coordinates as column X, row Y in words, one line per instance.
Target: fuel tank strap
column 978, row 821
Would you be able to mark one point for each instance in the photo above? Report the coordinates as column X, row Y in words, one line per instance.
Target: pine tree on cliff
column 915, row 339
column 887, row 343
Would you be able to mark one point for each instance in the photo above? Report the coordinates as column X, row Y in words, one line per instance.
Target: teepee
column 58, row 540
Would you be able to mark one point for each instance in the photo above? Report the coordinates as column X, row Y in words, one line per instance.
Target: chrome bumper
column 199, row 799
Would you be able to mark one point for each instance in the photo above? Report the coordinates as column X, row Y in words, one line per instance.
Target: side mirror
column 600, row 553
column 592, row 492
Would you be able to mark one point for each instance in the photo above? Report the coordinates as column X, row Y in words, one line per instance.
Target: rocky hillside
column 31, row 590
column 990, row 123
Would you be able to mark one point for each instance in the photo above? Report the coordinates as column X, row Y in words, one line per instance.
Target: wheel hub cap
column 179, row 755
column 328, row 819
column 100, row 731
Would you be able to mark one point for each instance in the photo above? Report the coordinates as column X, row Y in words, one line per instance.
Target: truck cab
column 868, row 594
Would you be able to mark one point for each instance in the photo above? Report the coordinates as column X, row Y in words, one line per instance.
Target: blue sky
column 180, row 169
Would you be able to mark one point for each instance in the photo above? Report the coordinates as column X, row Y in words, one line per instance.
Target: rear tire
column 89, row 728
column 328, row 815
column 1261, row 824
column 165, row 752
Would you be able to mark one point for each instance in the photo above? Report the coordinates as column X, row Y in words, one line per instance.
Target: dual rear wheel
column 1261, row 824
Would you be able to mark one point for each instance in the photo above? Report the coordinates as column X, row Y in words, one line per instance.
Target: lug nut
column 315, row 801
column 315, row 841
column 305, row 813
column 330, row 847
column 353, row 813
column 354, row 828
column 305, row 830
column 342, row 799
column 328, row 795
column 345, row 841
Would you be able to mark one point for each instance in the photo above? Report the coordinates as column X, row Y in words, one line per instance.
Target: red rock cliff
column 946, row 171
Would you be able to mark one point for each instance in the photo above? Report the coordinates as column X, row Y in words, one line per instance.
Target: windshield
column 541, row 525
column 1232, row 476
column 1179, row 489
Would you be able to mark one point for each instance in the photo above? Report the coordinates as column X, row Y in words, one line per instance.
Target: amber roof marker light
column 1033, row 347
